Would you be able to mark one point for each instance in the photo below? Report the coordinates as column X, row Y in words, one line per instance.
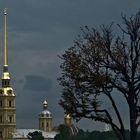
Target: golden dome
column 67, row 116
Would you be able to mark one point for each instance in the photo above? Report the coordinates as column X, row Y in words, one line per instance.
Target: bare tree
column 98, row 65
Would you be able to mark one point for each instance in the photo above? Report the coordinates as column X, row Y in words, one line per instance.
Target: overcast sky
column 39, row 31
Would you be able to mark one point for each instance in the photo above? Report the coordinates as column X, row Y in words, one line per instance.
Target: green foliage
column 64, row 133
column 94, row 135
column 35, row 136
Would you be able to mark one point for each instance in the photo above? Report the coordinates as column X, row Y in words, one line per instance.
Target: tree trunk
column 133, row 131
column 133, row 126
column 123, row 136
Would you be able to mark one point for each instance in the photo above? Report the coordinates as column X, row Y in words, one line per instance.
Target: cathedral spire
column 5, row 75
column 5, row 41
column 7, row 96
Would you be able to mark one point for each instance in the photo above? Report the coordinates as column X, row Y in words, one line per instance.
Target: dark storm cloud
column 47, row 15
column 54, row 24
column 37, row 83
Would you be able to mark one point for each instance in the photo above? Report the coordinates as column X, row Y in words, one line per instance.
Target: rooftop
column 22, row 133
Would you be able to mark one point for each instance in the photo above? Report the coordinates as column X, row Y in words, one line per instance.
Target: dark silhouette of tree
column 35, row 136
column 99, row 65
column 82, row 135
column 64, row 133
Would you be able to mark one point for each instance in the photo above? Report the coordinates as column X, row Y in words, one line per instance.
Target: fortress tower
column 7, row 96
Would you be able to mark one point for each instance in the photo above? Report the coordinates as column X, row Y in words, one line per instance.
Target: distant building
column 68, row 121
column 21, row 134
column 107, row 128
column 45, row 126
column 45, row 118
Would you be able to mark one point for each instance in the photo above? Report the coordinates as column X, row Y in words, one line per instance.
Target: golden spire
column 5, row 74
column 6, row 88
column 5, row 39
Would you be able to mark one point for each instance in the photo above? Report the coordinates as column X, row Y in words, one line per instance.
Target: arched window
column 10, row 119
column 0, row 103
column 0, row 134
column 42, row 125
column 10, row 91
column 5, row 83
column 0, row 118
column 47, row 124
column 10, row 103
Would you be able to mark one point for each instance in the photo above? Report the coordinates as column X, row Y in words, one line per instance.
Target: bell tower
column 7, row 96
column 45, row 118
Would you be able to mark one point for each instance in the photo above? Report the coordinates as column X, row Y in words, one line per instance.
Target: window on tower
column 10, row 91
column 42, row 125
column 8, row 83
column 5, row 83
column 10, row 119
column 0, row 118
column 47, row 124
column 10, row 103
column 1, row 92
column 0, row 134
column 0, row 103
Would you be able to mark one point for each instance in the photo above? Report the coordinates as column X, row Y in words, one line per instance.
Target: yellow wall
column 45, row 124
column 8, row 114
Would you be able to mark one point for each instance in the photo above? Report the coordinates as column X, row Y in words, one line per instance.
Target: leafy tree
column 35, row 136
column 99, row 65
column 64, row 133
column 82, row 135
